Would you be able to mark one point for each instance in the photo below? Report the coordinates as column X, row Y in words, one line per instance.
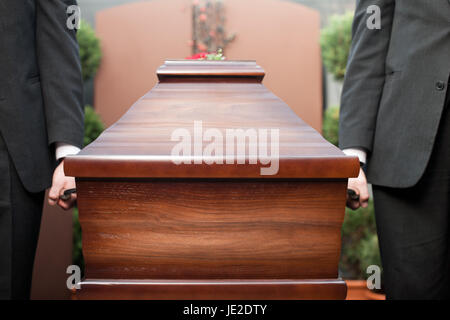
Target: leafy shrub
column 330, row 127
column 93, row 125
column 335, row 41
column 359, row 243
column 90, row 52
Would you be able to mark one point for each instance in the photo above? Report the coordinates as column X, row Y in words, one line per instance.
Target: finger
column 67, row 204
column 364, row 196
column 52, row 200
column 64, row 204
column 352, row 204
column 364, row 203
column 67, row 194
column 54, row 192
column 364, row 193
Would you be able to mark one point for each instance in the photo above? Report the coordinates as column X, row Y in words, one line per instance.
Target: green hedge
column 330, row 126
column 90, row 52
column 359, row 243
column 335, row 41
column 93, row 125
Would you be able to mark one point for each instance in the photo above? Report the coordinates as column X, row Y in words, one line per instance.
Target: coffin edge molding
column 323, row 289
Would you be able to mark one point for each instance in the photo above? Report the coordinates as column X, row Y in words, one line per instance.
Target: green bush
column 330, row 127
column 335, row 41
column 90, row 52
column 359, row 243
column 93, row 127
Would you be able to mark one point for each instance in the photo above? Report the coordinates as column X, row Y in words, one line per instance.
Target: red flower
column 198, row 56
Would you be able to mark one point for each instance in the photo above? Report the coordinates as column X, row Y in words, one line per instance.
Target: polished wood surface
column 156, row 230
column 185, row 69
column 324, row 289
column 223, row 95
column 211, row 229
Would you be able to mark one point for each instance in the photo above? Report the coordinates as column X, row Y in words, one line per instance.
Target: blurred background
column 302, row 45
column 325, row 8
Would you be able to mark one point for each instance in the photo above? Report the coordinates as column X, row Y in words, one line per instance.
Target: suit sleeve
column 365, row 76
column 60, row 72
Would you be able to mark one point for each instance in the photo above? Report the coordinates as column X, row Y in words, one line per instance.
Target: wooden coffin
column 155, row 228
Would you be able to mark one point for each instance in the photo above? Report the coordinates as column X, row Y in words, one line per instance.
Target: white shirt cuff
column 64, row 149
column 361, row 154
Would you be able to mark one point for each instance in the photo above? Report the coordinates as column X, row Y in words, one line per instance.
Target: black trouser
column 413, row 228
column 20, row 219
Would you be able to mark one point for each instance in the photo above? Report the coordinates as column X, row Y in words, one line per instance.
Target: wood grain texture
column 171, row 229
column 324, row 289
column 223, row 95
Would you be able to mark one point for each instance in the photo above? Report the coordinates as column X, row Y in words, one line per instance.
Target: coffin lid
column 217, row 95
column 211, row 69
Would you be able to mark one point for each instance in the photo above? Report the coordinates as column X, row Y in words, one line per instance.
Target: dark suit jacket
column 40, row 86
column 395, row 87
